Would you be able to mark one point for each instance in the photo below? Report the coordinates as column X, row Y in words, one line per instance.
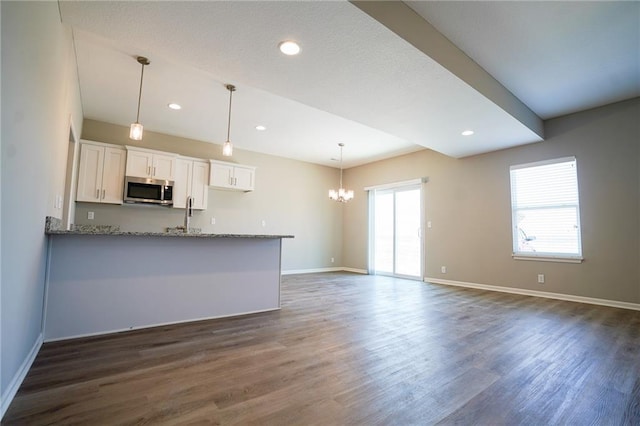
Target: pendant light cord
column 341, row 145
column 341, row 166
column 231, row 89
column 140, row 94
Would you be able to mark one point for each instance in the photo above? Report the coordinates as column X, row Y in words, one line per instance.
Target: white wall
column 39, row 95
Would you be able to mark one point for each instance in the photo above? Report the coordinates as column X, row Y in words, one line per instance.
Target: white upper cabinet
column 200, row 185
column 230, row 176
column 164, row 166
column 101, row 173
column 221, row 175
column 147, row 163
column 191, row 179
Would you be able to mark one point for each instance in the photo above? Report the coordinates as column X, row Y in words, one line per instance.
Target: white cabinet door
column 90, row 173
column 101, row 174
column 113, row 176
column 232, row 176
column 191, row 179
column 221, row 175
column 182, row 183
column 139, row 163
column 164, row 166
column 153, row 164
column 200, row 185
column 244, row 178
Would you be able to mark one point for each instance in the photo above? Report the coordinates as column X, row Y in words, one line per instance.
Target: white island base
column 99, row 284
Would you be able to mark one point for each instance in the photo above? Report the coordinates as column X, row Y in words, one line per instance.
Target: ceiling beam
column 409, row 25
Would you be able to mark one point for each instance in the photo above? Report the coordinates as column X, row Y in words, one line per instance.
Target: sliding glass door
column 396, row 231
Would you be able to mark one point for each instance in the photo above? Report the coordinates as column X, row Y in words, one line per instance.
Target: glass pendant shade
column 136, row 131
column 227, row 149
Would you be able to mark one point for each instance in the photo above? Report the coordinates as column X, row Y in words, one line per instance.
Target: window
column 545, row 210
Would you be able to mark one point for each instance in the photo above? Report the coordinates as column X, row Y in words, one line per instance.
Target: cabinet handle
column 154, row 170
column 104, row 193
column 149, row 170
column 98, row 193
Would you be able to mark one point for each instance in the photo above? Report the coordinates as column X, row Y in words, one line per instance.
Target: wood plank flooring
column 353, row 349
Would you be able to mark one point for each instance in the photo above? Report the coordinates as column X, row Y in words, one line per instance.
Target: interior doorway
column 396, row 243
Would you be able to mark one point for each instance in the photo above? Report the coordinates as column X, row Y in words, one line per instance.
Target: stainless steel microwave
column 148, row 191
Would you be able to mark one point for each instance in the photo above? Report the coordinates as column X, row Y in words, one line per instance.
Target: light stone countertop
column 53, row 226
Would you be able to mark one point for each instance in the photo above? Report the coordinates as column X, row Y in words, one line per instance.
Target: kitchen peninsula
column 102, row 280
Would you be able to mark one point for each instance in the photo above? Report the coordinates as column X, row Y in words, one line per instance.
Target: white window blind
column 545, row 209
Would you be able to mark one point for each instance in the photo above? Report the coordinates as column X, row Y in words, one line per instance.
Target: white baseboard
column 317, row 270
column 310, row 271
column 355, row 270
column 18, row 378
column 535, row 293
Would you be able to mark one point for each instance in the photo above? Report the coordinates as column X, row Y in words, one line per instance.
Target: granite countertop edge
column 52, row 228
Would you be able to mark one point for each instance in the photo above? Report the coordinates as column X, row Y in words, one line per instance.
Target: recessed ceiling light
column 289, row 48
column 261, row 128
column 174, row 106
column 467, row 133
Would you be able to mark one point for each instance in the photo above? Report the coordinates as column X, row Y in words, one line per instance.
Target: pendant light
column 342, row 195
column 136, row 128
column 227, row 148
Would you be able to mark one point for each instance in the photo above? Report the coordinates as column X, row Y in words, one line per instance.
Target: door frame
column 371, row 225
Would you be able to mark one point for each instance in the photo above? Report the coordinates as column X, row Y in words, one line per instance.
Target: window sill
column 561, row 259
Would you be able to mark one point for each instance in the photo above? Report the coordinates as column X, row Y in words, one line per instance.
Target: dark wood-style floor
column 353, row 349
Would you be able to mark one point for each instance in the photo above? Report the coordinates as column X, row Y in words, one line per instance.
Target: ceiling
column 384, row 78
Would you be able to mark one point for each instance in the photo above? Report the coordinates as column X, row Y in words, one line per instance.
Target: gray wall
column 468, row 202
column 39, row 95
column 290, row 196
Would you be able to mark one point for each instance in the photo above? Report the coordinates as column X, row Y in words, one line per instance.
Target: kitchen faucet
column 188, row 214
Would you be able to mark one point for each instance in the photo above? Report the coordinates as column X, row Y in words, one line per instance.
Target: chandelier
column 342, row 195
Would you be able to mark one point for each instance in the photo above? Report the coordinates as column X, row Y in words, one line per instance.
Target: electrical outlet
column 429, row 224
column 332, row 260
column 213, row 220
column 443, row 269
column 90, row 215
column 541, row 278
column 264, row 223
